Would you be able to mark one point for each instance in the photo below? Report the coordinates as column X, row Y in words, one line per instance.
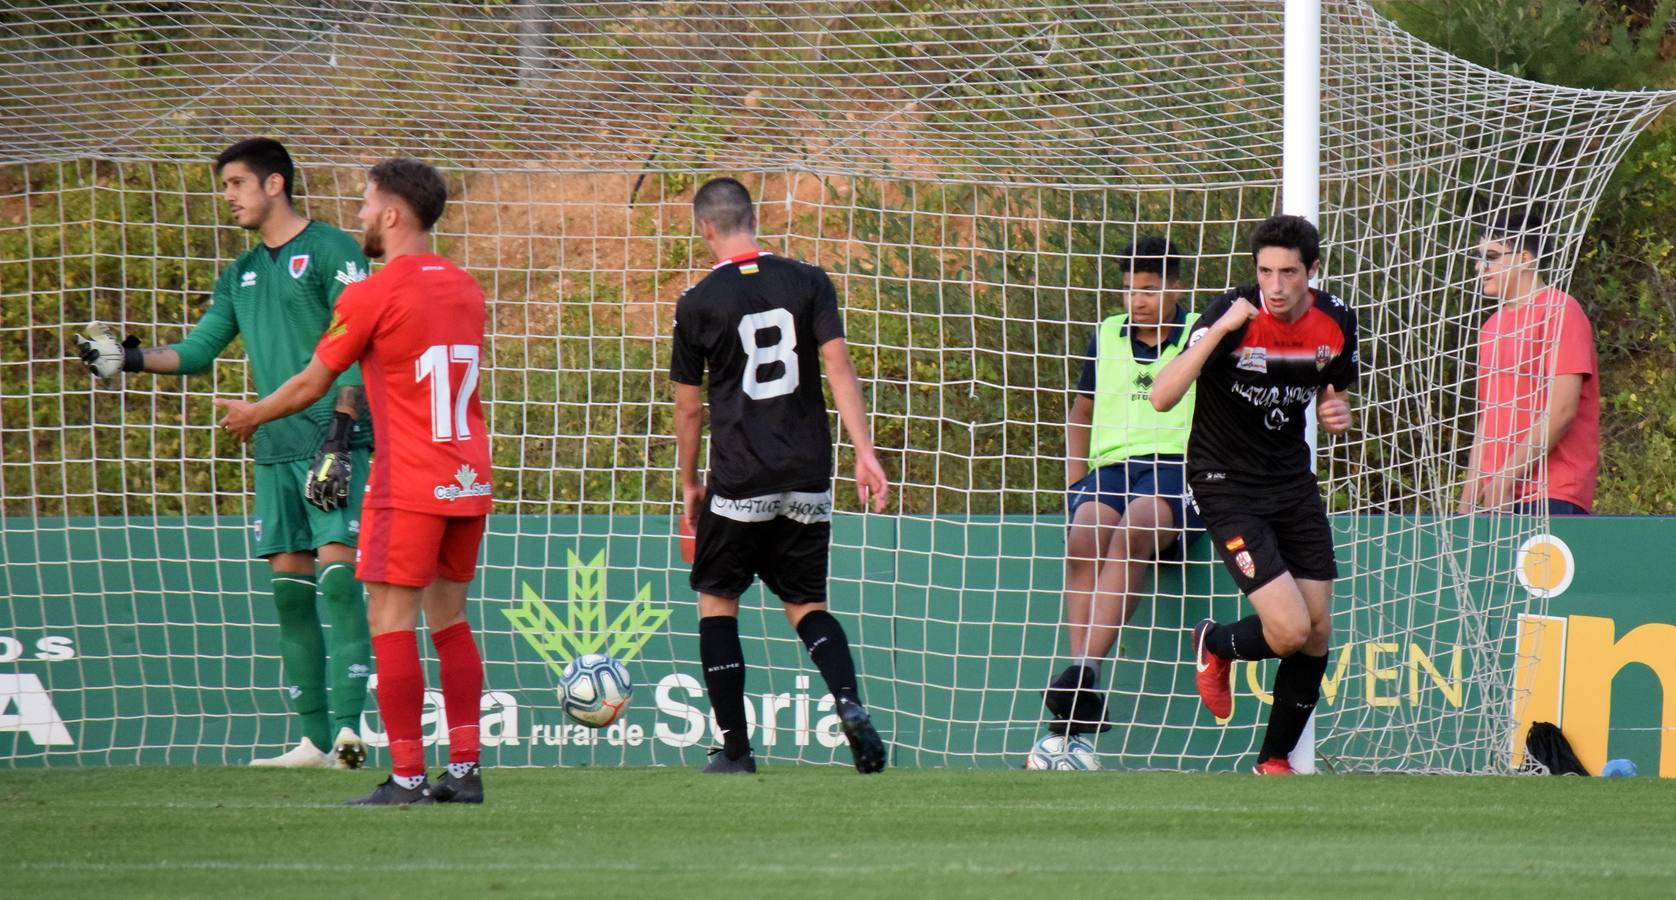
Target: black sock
column 1241, row 640
column 830, row 651
column 724, row 680
column 1297, row 687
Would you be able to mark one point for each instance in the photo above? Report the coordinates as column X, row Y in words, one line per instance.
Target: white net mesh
column 965, row 174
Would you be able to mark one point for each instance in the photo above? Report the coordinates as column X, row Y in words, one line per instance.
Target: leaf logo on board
column 584, row 628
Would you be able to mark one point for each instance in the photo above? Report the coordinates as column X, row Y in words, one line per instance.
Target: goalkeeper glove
column 105, row 357
column 328, row 476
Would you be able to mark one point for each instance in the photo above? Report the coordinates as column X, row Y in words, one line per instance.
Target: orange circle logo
column 1545, row 566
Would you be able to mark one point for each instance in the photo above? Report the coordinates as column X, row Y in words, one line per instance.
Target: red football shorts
column 413, row 549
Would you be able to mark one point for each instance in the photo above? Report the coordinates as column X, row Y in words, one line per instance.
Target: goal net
column 967, row 174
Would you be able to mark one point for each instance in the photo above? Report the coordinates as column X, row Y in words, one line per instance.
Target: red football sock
column 401, row 699
column 462, row 689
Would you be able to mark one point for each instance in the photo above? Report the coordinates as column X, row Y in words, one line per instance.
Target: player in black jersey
column 763, row 325
column 1260, row 356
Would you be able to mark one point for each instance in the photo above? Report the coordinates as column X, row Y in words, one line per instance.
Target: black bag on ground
column 1547, row 745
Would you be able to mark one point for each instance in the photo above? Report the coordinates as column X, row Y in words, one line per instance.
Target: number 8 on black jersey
column 757, row 322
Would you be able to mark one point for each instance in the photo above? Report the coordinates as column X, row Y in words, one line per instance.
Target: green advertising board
column 125, row 642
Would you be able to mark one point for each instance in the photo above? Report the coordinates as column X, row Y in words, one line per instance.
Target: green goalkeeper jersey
column 281, row 301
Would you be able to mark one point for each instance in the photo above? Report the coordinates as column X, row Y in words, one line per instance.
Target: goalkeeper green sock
column 350, row 661
column 302, row 651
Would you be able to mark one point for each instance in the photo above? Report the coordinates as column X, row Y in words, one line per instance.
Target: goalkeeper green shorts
column 286, row 522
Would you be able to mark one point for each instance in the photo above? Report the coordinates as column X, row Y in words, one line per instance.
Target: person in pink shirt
column 1536, row 446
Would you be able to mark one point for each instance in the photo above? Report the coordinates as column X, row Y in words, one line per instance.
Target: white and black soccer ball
column 594, row 689
column 1062, row 753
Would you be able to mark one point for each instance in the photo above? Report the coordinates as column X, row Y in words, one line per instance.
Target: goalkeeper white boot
column 303, row 756
column 348, row 750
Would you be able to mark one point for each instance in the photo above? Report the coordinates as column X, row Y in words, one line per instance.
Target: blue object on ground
column 1618, row 768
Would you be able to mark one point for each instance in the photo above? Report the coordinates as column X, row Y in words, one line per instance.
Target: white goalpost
column 967, row 174
column 1300, row 195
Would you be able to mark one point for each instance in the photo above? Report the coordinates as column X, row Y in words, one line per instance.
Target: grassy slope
column 827, row 832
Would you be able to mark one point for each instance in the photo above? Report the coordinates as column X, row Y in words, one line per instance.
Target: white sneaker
column 303, row 756
column 348, row 751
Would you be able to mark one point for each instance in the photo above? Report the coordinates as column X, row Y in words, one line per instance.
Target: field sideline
column 827, row 832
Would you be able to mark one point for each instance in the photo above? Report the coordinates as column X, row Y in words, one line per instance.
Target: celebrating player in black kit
column 1260, row 354
column 757, row 321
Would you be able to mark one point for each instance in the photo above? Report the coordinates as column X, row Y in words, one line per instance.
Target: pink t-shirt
column 1519, row 350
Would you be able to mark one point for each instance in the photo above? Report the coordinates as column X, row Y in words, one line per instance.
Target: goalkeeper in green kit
column 311, row 468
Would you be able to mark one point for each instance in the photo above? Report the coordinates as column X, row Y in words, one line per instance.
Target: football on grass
column 594, row 689
column 1062, row 753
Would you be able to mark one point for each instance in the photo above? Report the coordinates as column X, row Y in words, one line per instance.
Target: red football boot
column 1212, row 675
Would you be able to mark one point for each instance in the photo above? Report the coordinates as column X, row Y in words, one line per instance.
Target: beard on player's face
column 251, row 207
column 372, row 241
column 247, row 195
column 373, row 205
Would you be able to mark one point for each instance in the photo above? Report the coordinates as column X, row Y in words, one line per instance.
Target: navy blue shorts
column 1116, row 483
column 1552, row 506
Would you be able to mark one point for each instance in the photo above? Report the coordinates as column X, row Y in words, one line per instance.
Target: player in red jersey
column 416, row 328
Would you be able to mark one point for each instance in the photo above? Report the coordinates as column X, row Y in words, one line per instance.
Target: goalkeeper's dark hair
column 726, row 205
column 419, row 185
column 1520, row 228
column 264, row 157
column 1155, row 254
column 1291, row 232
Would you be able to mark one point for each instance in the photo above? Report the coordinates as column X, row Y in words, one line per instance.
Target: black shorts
column 782, row 537
column 1262, row 532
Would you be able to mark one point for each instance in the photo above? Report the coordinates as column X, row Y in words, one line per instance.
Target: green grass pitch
column 827, row 832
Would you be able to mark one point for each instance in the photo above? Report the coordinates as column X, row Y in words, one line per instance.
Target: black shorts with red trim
column 1264, row 531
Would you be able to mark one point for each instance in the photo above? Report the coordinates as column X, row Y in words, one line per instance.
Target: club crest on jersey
column 468, row 486
column 1323, row 355
column 1253, row 359
column 1243, row 560
column 299, row 265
